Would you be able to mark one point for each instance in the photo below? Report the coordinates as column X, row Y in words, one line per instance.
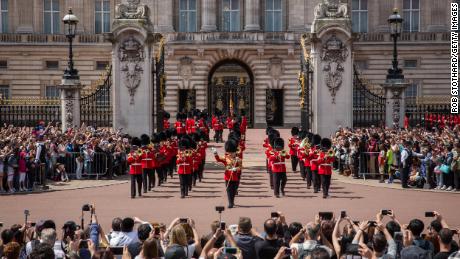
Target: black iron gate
column 368, row 108
column 96, row 108
column 187, row 100
column 230, row 94
column 274, row 107
column 160, row 81
column 305, row 84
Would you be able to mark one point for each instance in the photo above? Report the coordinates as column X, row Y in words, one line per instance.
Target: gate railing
column 29, row 111
column 96, row 108
column 368, row 107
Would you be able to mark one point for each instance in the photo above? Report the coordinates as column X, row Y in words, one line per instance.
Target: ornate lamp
column 395, row 21
column 70, row 28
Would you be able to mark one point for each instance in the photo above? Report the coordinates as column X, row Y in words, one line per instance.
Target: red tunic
column 190, row 125
column 277, row 162
column 166, row 124
column 313, row 159
column 184, row 164
column 180, row 128
column 325, row 164
column 134, row 162
column 147, row 159
column 229, row 164
column 293, row 145
column 229, row 123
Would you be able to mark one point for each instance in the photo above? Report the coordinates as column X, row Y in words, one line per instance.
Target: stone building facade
column 251, row 46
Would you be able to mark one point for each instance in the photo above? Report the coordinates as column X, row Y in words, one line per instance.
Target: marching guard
column 293, row 145
column 233, row 166
column 184, row 166
column 148, row 165
column 135, row 167
column 325, row 160
column 314, row 163
column 278, row 167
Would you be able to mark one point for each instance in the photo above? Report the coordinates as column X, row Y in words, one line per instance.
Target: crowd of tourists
column 30, row 156
column 326, row 236
column 419, row 158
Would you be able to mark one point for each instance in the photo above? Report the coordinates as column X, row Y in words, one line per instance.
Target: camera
column 222, row 225
column 220, row 209
column 372, row 223
column 33, row 224
column 326, row 215
column 275, row 214
column 26, row 213
column 386, row 212
column 287, row 251
column 86, row 207
column 230, row 250
column 398, row 236
column 1, row 224
column 429, row 214
column 343, row 214
column 183, row 220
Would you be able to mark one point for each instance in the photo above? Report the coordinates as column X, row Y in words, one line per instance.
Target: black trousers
column 148, row 179
column 325, row 182
column 218, row 135
column 171, row 167
column 309, row 176
column 136, row 179
column 294, row 162
column 195, row 176
column 316, row 180
column 279, row 181
column 201, row 170
column 405, row 176
column 184, row 184
column 302, row 170
column 456, row 179
column 231, row 192
column 271, row 177
column 159, row 172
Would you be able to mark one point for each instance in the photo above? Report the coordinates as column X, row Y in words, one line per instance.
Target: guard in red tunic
column 196, row 158
column 190, row 124
column 184, row 166
column 230, row 122
column 293, row 145
column 232, row 166
column 325, row 160
column 147, row 164
column 166, row 117
column 313, row 156
column 135, row 167
column 278, row 167
column 218, row 128
column 180, row 125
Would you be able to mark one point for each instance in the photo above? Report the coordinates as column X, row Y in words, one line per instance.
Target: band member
column 313, row 157
column 135, row 167
column 164, row 155
column 184, row 166
column 218, row 128
column 325, row 160
column 305, row 147
column 278, row 167
column 293, row 145
column 157, row 158
column 244, row 125
column 230, row 121
column 232, row 166
column 180, row 125
column 274, row 134
column 300, row 152
column 196, row 156
column 166, row 117
column 190, row 124
column 148, row 171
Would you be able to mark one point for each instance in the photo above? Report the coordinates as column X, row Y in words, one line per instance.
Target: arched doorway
column 231, row 89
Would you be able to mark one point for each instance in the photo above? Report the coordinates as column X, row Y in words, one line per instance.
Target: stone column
column 70, row 103
column 208, row 15
column 165, row 14
column 395, row 107
column 252, row 15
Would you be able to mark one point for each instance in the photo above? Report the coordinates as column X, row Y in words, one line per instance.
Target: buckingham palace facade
column 243, row 52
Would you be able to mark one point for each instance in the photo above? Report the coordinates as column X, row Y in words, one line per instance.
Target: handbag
column 444, row 168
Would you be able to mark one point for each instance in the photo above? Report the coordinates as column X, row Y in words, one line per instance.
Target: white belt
column 314, row 160
column 279, row 163
column 147, row 159
column 325, row 165
column 184, row 164
column 136, row 164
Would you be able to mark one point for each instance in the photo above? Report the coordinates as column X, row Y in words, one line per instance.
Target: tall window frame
column 52, row 92
column 4, row 16
column 359, row 16
column 231, row 15
column 4, row 92
column 274, row 15
column 188, row 21
column 411, row 15
column 101, row 16
column 51, row 17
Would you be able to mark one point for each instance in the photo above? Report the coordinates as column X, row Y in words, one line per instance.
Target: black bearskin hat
column 193, row 144
column 326, row 144
column 168, row 133
column 173, row 132
column 178, row 116
column 145, row 139
column 162, row 136
column 268, row 130
column 316, row 140
column 302, row 134
column 196, row 137
column 279, row 143
column 231, row 146
column 310, row 137
column 184, row 143
column 294, row 131
column 136, row 142
column 155, row 138
column 271, row 139
column 236, row 135
column 166, row 115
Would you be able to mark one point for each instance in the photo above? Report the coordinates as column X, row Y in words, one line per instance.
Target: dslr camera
column 86, row 207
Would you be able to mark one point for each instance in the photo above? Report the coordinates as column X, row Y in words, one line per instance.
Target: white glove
column 214, row 151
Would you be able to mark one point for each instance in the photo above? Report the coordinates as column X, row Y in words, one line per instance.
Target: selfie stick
column 82, row 221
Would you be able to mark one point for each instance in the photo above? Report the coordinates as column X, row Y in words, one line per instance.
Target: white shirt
column 124, row 238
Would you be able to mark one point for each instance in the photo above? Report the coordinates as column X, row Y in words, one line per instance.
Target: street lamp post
column 70, row 25
column 395, row 22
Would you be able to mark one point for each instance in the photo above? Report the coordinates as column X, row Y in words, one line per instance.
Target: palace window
column 52, row 91
column 231, row 15
column 359, row 15
column 101, row 65
column 51, row 16
column 187, row 16
column 52, row 64
column 411, row 63
column 411, row 15
column 273, row 15
column 4, row 16
column 102, row 16
column 4, row 92
column 3, row 64
column 411, row 91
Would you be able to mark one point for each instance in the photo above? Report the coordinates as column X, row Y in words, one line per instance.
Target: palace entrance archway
column 231, row 89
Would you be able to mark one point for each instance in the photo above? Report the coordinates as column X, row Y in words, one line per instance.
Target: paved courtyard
column 361, row 199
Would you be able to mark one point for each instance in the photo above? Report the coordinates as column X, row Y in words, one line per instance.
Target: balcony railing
column 233, row 36
column 405, row 37
column 6, row 38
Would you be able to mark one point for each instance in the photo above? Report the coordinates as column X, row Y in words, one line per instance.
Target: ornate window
column 359, row 15
column 102, row 16
column 231, row 15
column 411, row 15
column 52, row 91
column 273, row 15
column 4, row 16
column 187, row 16
column 4, row 92
column 51, row 16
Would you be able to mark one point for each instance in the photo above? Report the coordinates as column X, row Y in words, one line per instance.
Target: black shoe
column 283, row 193
column 308, row 186
column 324, row 196
column 230, row 206
column 278, row 196
column 182, row 196
column 315, row 191
column 145, row 191
column 132, row 197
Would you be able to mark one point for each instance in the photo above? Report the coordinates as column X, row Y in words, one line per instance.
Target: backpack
column 304, row 253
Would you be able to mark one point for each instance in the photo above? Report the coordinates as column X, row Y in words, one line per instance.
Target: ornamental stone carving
column 331, row 9
column 334, row 54
column 69, row 111
column 276, row 67
column 131, row 10
column 131, row 54
column 186, row 68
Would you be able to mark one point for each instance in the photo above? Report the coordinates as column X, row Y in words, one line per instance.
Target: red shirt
column 184, row 164
column 277, row 162
column 229, row 174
